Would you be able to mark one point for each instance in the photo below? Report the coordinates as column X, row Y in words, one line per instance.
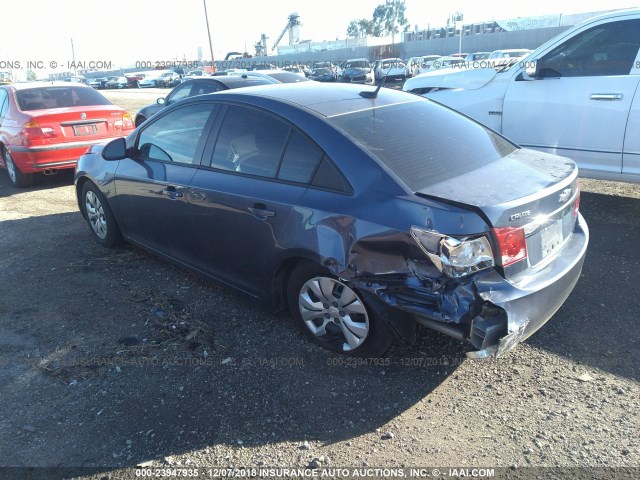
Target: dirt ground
column 112, row 358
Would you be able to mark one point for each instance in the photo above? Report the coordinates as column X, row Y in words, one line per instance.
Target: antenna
column 374, row 94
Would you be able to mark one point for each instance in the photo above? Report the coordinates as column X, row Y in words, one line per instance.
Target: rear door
column 578, row 106
column 151, row 185
column 257, row 170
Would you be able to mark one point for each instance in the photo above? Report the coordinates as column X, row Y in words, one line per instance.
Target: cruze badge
column 564, row 196
column 516, row 216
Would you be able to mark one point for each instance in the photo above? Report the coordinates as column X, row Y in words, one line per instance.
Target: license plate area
column 551, row 238
column 87, row 129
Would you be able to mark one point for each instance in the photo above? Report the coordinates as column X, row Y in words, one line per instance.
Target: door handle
column 260, row 211
column 172, row 192
column 606, row 96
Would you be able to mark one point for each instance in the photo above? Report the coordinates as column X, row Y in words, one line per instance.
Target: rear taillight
column 33, row 134
column 576, row 205
column 512, row 243
column 125, row 124
column 452, row 256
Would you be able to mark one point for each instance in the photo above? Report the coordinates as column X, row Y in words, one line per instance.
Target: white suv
column 577, row 96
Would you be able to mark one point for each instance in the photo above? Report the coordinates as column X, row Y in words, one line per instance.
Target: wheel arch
column 284, row 265
column 79, row 186
column 139, row 120
column 2, row 148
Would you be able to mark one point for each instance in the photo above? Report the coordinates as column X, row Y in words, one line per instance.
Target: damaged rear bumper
column 532, row 302
column 491, row 313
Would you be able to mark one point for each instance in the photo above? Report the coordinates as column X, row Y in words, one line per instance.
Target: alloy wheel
column 333, row 312
column 95, row 215
column 11, row 168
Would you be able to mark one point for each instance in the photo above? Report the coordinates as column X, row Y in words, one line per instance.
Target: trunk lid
column 526, row 189
column 523, row 180
column 77, row 124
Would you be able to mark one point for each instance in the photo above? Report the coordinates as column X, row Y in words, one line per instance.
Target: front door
column 151, row 185
column 579, row 103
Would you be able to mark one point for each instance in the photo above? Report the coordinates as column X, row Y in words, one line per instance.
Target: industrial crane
column 293, row 24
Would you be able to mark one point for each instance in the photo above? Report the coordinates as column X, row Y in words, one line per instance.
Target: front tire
column 333, row 315
column 18, row 179
column 100, row 217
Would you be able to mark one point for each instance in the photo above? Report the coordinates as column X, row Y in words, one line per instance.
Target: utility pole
column 73, row 57
column 206, row 18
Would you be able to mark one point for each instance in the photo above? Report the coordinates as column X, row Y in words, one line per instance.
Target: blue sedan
column 364, row 212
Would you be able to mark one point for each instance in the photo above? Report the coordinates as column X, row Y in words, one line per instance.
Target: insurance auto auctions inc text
column 342, row 473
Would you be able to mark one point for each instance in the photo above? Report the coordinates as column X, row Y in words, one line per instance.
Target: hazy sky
column 125, row 31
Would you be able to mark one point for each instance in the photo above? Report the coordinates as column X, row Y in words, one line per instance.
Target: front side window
column 604, row 50
column 175, row 137
column 181, row 91
column 204, row 87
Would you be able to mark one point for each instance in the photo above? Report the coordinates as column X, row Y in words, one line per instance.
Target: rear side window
column 300, row 159
column 328, row 177
column 423, row 143
column 250, row 142
column 59, row 97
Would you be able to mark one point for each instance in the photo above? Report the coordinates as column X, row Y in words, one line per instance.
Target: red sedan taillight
column 512, row 243
column 125, row 124
column 33, row 134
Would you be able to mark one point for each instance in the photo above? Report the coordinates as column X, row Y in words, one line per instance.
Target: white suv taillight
column 452, row 256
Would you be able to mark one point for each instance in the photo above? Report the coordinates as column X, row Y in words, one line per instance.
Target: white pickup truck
column 577, row 95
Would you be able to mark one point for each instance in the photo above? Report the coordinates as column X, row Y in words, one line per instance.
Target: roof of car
column 28, row 85
column 326, row 100
column 232, row 81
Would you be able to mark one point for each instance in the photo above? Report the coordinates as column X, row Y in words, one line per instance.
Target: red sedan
column 45, row 127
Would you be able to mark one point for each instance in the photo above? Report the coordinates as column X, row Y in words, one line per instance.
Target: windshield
column 436, row 145
column 58, row 97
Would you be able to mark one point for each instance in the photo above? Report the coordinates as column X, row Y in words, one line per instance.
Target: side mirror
column 115, row 150
column 160, row 101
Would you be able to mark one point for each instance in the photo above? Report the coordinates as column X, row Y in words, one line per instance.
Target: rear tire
column 18, row 178
column 99, row 216
column 333, row 315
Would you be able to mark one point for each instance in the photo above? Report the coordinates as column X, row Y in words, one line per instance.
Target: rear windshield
column 58, row 97
column 423, row 143
column 357, row 64
column 288, row 77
